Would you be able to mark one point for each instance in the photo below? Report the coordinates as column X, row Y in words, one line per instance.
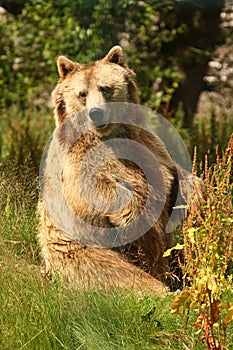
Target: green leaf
column 229, row 316
column 178, row 246
column 191, row 232
column 181, row 301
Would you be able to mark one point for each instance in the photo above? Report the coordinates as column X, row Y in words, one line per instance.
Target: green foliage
column 208, row 251
column 84, row 31
column 33, row 40
column 158, row 75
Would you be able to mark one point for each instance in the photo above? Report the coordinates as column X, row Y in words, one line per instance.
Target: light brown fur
column 84, row 87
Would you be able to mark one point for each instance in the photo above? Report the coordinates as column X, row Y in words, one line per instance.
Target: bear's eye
column 106, row 90
column 82, row 95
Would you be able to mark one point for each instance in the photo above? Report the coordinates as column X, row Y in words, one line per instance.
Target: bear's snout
column 97, row 116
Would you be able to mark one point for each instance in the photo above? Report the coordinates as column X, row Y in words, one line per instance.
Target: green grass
column 38, row 314
column 41, row 314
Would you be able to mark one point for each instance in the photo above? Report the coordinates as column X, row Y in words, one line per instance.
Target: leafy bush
column 31, row 43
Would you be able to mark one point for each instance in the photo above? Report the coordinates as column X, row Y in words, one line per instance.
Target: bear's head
column 91, row 87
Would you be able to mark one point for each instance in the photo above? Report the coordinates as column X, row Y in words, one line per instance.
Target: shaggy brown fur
column 80, row 88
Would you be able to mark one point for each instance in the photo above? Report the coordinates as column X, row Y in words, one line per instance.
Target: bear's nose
column 96, row 115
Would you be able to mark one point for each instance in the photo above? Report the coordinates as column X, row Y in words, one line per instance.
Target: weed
column 208, row 252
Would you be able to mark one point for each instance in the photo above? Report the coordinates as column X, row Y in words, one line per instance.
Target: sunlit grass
column 41, row 314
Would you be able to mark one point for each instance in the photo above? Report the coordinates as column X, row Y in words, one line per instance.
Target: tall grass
column 207, row 130
column 18, row 200
column 39, row 314
column 24, row 133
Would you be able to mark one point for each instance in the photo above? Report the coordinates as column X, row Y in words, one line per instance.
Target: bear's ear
column 64, row 66
column 115, row 55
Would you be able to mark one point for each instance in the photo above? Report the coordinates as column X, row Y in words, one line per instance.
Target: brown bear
column 79, row 226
